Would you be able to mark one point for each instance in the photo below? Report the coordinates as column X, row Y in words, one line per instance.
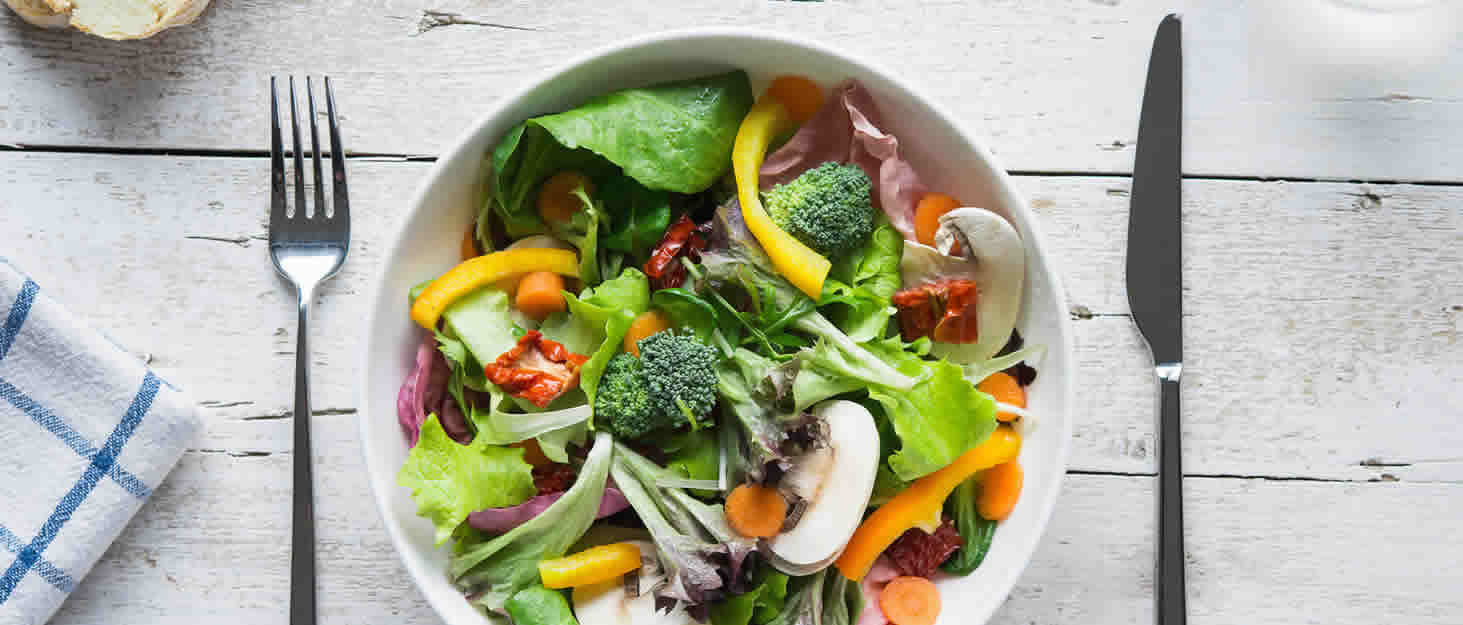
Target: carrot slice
column 1000, row 487
column 927, row 215
column 801, row 97
column 539, row 294
column 909, row 600
column 648, row 323
column 556, row 200
column 756, row 511
column 1004, row 387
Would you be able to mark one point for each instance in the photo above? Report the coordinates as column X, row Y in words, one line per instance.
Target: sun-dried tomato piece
column 918, row 553
column 536, row 369
column 682, row 239
column 944, row 311
column 553, row 478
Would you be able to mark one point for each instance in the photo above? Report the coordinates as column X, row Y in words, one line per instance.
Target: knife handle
column 1171, row 609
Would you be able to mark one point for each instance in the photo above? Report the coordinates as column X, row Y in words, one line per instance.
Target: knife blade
column 1154, row 281
column 1155, row 292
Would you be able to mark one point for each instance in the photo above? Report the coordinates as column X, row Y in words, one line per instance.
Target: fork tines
column 279, row 190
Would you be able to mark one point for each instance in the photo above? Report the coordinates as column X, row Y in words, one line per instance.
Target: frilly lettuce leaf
column 449, row 480
column 943, row 416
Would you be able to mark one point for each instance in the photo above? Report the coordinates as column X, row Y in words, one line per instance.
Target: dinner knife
column 1155, row 286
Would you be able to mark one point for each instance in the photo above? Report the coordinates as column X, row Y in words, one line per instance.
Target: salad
column 717, row 358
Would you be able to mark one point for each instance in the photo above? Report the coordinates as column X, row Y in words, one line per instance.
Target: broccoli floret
column 622, row 401
column 829, row 207
column 681, row 372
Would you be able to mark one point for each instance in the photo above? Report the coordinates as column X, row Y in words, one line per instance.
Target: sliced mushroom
column 610, row 604
column 835, row 480
column 993, row 256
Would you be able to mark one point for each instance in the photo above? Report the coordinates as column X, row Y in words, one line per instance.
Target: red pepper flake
column 682, row 239
column 553, row 478
column 944, row 311
column 536, row 369
column 920, row 554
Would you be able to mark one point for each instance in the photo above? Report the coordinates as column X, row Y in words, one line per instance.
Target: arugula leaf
column 942, row 417
column 637, row 216
column 497, row 569
column 449, row 480
column 582, row 231
column 674, row 136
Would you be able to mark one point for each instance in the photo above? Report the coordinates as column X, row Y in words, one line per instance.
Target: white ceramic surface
column 949, row 159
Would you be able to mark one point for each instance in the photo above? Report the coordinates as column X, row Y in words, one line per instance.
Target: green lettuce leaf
column 856, row 297
column 500, row 567
column 605, row 313
column 481, row 323
column 674, row 136
column 449, row 480
column 942, row 417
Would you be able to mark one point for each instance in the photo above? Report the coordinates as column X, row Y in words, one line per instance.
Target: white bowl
column 948, row 158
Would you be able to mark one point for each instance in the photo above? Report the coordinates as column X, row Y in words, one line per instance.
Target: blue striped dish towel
column 86, row 433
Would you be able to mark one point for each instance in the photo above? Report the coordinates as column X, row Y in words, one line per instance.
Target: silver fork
column 307, row 248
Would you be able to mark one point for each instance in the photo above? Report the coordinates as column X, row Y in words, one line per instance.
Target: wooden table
column 1325, row 297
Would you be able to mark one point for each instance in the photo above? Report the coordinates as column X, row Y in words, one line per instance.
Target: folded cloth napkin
column 86, row 433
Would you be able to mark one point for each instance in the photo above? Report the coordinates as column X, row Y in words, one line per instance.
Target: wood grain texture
column 1322, row 319
column 1050, row 85
column 212, row 547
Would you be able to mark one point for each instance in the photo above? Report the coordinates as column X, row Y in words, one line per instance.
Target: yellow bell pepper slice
column 804, row 268
column 591, row 566
column 915, row 505
column 476, row 273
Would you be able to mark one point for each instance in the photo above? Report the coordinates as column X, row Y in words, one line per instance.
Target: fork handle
column 1171, row 609
column 302, row 547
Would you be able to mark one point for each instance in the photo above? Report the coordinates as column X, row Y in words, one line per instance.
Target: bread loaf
column 112, row 19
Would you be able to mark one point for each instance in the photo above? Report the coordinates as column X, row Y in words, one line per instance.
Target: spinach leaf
column 694, row 455
column 637, row 217
column 674, row 136
column 687, row 310
column 537, row 605
column 758, row 605
column 977, row 531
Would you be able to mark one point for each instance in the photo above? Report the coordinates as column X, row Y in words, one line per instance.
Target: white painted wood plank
column 1051, row 85
column 1323, row 327
column 212, row 547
